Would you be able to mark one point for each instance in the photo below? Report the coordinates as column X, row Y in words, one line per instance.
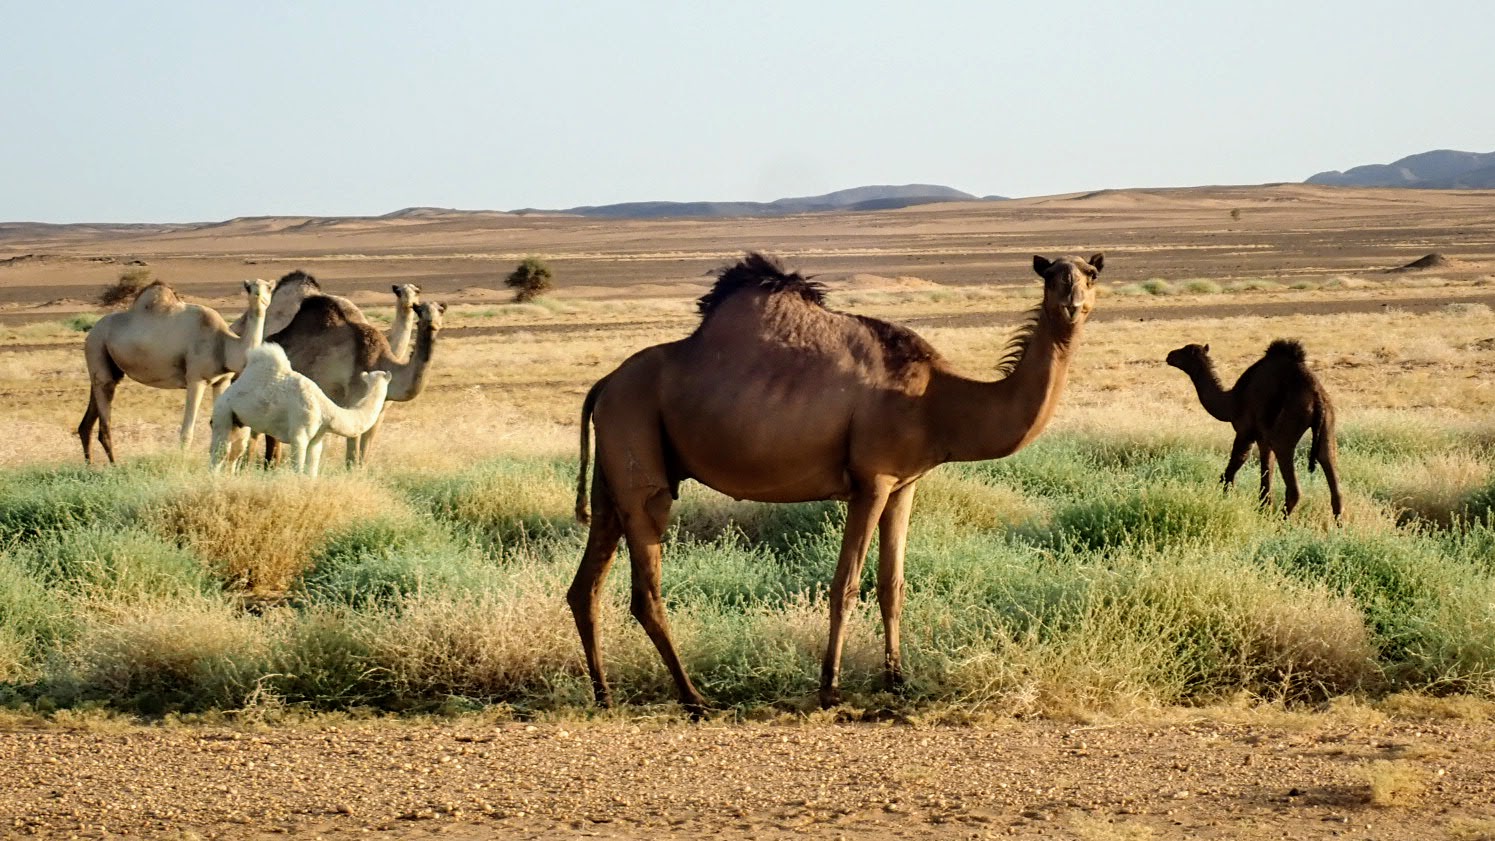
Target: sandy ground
column 1307, row 777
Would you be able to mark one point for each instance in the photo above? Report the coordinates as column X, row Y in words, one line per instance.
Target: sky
column 163, row 111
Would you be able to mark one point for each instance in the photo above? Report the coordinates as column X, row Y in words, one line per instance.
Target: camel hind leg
column 103, row 378
column 603, row 534
column 100, row 402
column 644, row 522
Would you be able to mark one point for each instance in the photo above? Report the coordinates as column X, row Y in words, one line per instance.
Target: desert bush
column 124, row 289
column 1202, row 286
column 379, row 563
column 1150, row 516
column 1158, row 286
column 529, row 280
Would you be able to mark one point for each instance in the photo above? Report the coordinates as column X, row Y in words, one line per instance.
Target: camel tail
column 583, row 514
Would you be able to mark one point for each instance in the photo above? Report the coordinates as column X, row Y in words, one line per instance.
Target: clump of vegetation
column 1091, row 571
column 123, row 291
column 529, row 280
column 1202, row 286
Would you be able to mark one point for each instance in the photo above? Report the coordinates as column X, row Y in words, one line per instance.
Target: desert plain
column 1399, row 346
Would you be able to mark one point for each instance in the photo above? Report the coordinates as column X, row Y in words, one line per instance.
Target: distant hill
column 856, row 198
column 1443, row 169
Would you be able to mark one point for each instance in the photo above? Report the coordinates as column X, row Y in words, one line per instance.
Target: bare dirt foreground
column 1361, row 776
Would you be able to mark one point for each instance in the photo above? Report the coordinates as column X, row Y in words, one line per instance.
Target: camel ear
column 1041, row 264
column 440, row 307
column 1097, row 260
column 1206, row 348
column 395, row 288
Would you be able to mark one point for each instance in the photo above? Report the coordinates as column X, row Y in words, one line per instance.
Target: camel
column 297, row 286
column 776, row 398
column 269, row 398
column 1273, row 403
column 165, row 343
column 322, row 343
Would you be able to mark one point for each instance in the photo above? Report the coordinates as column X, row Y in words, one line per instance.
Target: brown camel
column 1273, row 403
column 776, row 398
column 333, row 351
column 295, row 287
column 165, row 343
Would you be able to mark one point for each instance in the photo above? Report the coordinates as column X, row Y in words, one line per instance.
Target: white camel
column 270, row 398
column 165, row 343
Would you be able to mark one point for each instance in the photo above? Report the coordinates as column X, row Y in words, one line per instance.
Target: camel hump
column 761, row 272
column 318, row 312
column 1289, row 349
column 298, row 278
column 157, row 297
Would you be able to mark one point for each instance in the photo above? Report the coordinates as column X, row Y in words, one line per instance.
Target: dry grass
column 123, row 291
column 1395, row 783
column 259, row 532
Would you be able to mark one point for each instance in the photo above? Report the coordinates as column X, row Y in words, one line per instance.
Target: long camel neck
column 1212, row 394
column 401, row 331
column 408, row 378
column 356, row 419
column 985, row 420
column 253, row 336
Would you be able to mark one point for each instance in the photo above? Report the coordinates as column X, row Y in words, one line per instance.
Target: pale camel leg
column 643, row 525
column 862, row 512
column 298, row 453
column 100, row 406
column 314, row 457
column 892, row 537
column 195, row 389
column 602, row 547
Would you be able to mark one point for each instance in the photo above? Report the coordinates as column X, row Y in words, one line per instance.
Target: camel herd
column 324, row 340
column 815, row 404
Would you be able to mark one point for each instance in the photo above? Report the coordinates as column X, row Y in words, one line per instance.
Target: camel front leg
column 1331, row 475
column 365, row 442
column 892, row 537
column 862, row 513
column 298, row 453
column 195, row 389
column 1239, row 449
column 314, row 457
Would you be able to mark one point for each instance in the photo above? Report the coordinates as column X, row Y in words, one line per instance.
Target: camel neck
column 985, row 420
column 252, row 337
column 408, row 378
column 401, row 331
column 1212, row 394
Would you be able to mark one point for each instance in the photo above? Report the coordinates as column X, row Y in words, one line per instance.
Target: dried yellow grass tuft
column 260, row 532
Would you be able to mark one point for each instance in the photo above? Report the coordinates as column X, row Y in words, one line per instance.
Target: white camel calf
column 270, row 398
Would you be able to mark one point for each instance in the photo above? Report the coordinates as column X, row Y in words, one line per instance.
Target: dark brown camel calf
column 1274, row 402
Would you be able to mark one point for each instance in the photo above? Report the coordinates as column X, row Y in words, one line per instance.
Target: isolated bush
column 124, row 290
column 531, row 279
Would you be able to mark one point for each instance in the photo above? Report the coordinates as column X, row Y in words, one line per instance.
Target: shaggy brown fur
column 1273, row 403
column 775, row 398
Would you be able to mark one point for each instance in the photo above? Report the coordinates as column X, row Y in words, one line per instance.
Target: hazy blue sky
column 199, row 110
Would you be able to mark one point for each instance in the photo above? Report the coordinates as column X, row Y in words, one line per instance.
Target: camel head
column 428, row 313
column 407, row 295
column 369, row 378
column 1068, row 286
column 1189, row 358
column 259, row 292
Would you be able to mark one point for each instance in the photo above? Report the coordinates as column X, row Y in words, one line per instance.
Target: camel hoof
column 894, row 681
column 697, row 709
column 830, row 697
